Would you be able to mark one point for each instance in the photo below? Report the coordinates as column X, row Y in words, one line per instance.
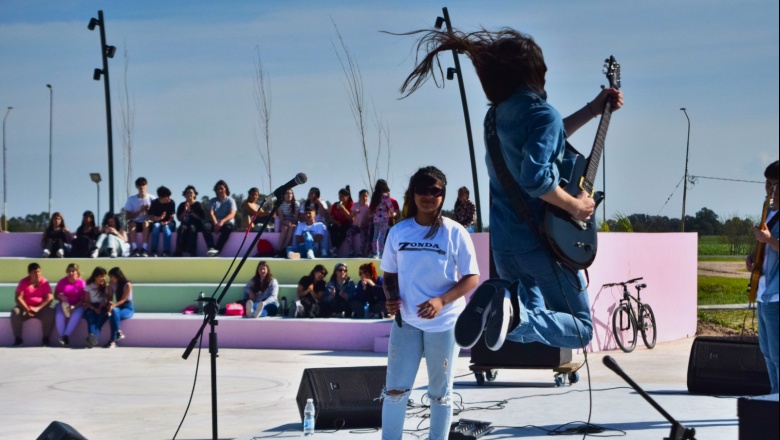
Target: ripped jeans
column 405, row 351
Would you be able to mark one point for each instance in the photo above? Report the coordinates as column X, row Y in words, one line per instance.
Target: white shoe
column 212, row 252
column 258, row 310
column 248, row 308
column 46, row 253
column 60, row 253
column 94, row 254
column 113, row 253
column 310, row 254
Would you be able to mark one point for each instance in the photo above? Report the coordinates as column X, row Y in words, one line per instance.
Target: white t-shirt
column 134, row 203
column 316, row 228
column 428, row 267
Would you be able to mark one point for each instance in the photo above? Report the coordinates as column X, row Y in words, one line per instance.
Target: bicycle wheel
column 647, row 325
column 624, row 328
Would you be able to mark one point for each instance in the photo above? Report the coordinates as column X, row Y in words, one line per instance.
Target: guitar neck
column 598, row 148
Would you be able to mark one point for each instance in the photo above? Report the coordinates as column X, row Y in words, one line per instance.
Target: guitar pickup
column 580, row 224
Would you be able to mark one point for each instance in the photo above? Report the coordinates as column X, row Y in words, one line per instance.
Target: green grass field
column 721, row 290
column 733, row 319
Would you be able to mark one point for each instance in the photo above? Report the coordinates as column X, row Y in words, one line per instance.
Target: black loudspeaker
column 758, row 417
column 60, row 431
column 727, row 365
column 344, row 397
column 519, row 355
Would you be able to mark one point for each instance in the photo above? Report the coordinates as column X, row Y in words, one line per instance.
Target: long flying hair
column 423, row 178
column 504, row 60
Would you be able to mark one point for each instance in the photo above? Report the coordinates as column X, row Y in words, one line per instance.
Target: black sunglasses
column 434, row 191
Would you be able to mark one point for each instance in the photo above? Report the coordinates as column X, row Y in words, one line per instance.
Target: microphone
column 297, row 180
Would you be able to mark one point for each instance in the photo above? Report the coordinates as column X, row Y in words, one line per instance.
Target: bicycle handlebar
column 624, row 283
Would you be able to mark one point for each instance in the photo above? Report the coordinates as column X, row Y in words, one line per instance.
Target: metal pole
column 685, row 182
column 51, row 119
column 98, row 200
column 108, row 112
column 468, row 125
column 5, row 184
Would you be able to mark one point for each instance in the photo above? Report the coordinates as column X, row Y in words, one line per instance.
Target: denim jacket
column 533, row 145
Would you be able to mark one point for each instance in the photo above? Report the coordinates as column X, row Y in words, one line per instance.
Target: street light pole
column 106, row 52
column 96, row 178
column 5, row 185
column 51, row 122
column 685, row 182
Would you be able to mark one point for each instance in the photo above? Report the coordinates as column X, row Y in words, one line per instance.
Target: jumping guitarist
column 540, row 301
column 766, row 289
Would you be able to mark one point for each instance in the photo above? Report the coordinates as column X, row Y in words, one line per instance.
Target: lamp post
column 106, row 52
column 96, row 178
column 5, row 185
column 685, row 182
column 450, row 75
column 51, row 122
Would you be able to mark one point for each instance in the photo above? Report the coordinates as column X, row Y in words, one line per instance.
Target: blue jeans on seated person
column 307, row 245
column 407, row 346
column 166, row 230
column 565, row 321
column 94, row 320
column 125, row 311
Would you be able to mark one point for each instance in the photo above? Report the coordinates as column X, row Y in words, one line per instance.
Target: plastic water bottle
column 284, row 306
column 200, row 304
column 365, row 310
column 308, row 418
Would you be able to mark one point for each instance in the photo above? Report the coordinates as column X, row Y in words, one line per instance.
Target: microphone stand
column 678, row 431
column 210, row 309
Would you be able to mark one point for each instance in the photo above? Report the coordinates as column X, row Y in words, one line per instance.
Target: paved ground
column 142, row 393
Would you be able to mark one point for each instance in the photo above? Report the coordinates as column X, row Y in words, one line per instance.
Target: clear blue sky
column 190, row 74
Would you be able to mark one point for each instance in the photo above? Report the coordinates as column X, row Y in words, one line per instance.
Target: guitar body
column 573, row 242
column 758, row 257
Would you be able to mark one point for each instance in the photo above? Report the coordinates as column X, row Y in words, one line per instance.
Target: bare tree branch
column 262, row 94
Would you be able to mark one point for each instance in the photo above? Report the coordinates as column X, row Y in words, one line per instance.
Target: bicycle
column 627, row 320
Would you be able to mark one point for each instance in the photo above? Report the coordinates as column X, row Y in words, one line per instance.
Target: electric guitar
column 758, row 257
column 572, row 241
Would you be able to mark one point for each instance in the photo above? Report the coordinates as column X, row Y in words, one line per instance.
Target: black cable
column 194, row 382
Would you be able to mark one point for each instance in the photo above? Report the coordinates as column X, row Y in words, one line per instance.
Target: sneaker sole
column 471, row 322
column 498, row 323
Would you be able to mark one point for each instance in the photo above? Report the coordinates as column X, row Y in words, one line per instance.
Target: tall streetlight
column 96, row 178
column 5, row 185
column 106, row 52
column 685, row 182
column 51, row 122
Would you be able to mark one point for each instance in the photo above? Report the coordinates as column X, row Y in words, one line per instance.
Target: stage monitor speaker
column 344, row 397
column 727, row 365
column 519, row 355
column 758, row 417
column 60, row 431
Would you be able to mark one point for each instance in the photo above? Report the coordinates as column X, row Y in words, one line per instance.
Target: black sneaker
column 91, row 341
column 143, row 253
column 17, row 342
column 499, row 322
column 45, row 342
column 472, row 321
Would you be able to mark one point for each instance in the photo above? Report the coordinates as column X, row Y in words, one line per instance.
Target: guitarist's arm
column 765, row 236
column 592, row 109
column 580, row 207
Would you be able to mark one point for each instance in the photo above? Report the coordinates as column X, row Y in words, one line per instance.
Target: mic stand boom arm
column 211, row 308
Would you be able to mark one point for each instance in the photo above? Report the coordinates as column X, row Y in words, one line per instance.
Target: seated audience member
column 222, row 210
column 308, row 238
column 369, row 290
column 113, row 241
column 340, row 222
column 161, row 217
column 261, row 292
column 120, row 291
column 137, row 215
column 287, row 217
column 86, row 235
column 252, row 213
column 96, row 304
column 465, row 211
column 70, row 293
column 314, row 202
column 340, row 291
column 311, row 289
column 361, row 226
column 56, row 237
column 191, row 216
column 33, row 296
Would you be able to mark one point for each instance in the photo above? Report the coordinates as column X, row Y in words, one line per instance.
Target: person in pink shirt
column 70, row 293
column 33, row 296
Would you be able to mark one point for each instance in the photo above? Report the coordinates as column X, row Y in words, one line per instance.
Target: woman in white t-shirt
column 429, row 264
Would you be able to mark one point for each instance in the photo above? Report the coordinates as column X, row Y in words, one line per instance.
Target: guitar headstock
column 612, row 70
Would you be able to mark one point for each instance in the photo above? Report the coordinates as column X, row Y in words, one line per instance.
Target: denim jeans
column 125, row 311
column 378, row 240
column 405, row 351
column 94, row 320
column 556, row 308
column 72, row 322
column 166, row 230
column 307, row 245
column 768, row 339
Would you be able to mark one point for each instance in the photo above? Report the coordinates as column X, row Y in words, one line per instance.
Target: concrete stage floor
column 142, row 393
